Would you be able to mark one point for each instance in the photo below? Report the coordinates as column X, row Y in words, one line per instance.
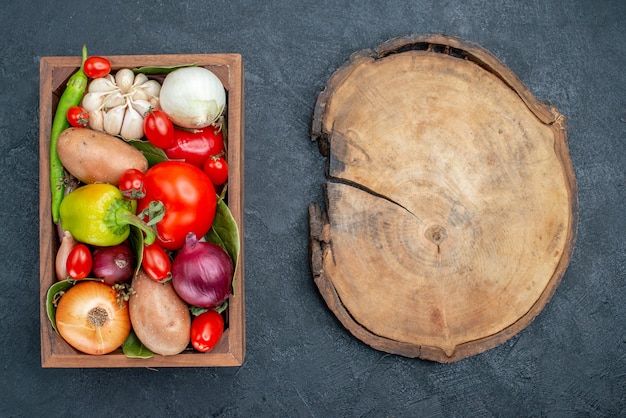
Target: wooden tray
column 451, row 202
column 230, row 351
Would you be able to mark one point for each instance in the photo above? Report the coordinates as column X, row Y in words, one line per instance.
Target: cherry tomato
column 206, row 330
column 188, row 197
column 217, row 170
column 131, row 184
column 78, row 117
column 156, row 263
column 79, row 262
column 196, row 146
column 159, row 129
column 96, row 67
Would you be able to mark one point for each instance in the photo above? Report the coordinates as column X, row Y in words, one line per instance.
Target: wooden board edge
column 472, row 51
column 319, row 248
column 319, row 243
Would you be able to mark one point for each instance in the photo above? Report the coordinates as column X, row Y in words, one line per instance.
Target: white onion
column 193, row 97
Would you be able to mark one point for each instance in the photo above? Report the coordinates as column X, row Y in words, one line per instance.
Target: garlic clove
column 138, row 94
column 113, row 99
column 155, row 103
column 132, row 127
column 102, row 84
column 113, row 120
column 93, row 101
column 151, row 87
column 96, row 120
column 124, row 79
column 140, row 78
column 141, row 106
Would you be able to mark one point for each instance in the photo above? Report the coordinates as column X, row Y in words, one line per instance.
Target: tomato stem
column 123, row 216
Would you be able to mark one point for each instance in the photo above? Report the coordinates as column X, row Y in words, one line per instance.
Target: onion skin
column 193, row 97
column 115, row 264
column 202, row 273
column 90, row 319
column 67, row 243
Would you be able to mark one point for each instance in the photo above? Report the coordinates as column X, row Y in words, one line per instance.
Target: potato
column 159, row 317
column 97, row 157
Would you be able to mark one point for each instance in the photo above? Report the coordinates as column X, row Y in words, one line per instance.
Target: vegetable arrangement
column 147, row 244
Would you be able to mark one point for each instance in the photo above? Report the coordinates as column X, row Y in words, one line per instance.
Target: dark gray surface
column 571, row 361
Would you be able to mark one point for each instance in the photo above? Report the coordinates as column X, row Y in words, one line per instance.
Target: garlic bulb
column 117, row 104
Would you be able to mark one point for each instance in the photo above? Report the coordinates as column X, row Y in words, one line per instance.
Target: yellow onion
column 91, row 319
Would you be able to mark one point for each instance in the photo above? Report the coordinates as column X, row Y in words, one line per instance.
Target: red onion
column 115, row 264
column 202, row 273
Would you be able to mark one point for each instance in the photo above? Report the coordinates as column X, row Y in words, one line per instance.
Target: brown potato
column 159, row 317
column 97, row 157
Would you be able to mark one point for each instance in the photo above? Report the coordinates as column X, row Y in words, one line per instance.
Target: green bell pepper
column 98, row 214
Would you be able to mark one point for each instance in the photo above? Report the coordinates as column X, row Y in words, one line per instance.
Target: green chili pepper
column 73, row 94
column 98, row 214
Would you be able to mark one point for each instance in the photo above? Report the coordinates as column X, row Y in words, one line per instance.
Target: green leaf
column 160, row 70
column 222, row 195
column 153, row 154
column 133, row 348
column 54, row 293
column 225, row 232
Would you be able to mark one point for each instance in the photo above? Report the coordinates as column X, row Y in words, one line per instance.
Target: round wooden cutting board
column 451, row 202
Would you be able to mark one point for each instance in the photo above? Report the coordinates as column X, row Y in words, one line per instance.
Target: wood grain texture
column 451, row 202
column 54, row 73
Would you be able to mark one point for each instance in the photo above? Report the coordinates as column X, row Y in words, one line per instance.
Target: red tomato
column 196, row 146
column 78, row 117
column 131, row 184
column 206, row 330
column 156, row 263
column 79, row 262
column 159, row 129
column 96, row 67
column 217, row 170
column 188, row 197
